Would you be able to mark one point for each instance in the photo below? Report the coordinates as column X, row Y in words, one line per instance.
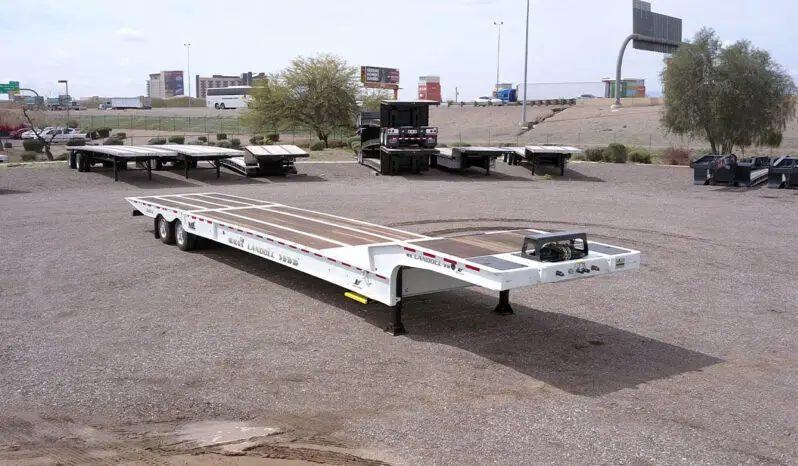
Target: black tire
column 185, row 241
column 73, row 160
column 166, row 231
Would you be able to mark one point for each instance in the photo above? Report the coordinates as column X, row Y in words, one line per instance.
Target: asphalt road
column 112, row 342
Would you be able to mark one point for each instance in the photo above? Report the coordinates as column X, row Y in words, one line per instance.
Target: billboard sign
column 660, row 33
column 376, row 75
column 173, row 82
column 12, row 87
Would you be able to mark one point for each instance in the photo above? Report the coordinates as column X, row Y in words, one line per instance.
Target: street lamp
column 498, row 51
column 66, row 83
column 526, row 62
column 188, row 69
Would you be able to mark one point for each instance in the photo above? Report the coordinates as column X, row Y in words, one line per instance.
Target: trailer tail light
column 431, row 131
column 392, row 131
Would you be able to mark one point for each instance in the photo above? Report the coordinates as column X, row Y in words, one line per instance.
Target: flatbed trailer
column 380, row 263
column 783, row 173
column 150, row 157
column 462, row 158
column 542, row 155
column 266, row 160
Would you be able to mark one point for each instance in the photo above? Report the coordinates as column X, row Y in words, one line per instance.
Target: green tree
column 733, row 96
column 319, row 92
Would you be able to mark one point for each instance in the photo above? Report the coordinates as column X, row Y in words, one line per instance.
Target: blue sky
column 109, row 48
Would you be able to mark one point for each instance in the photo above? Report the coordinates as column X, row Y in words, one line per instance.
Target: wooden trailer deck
column 321, row 231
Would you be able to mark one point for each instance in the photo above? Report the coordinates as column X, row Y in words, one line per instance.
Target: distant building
column 220, row 80
column 165, row 85
column 630, row 87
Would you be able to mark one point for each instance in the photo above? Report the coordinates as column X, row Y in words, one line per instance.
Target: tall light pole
column 526, row 62
column 188, row 69
column 66, row 83
column 498, row 51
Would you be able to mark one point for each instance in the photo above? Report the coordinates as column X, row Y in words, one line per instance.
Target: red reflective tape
column 249, row 233
column 345, row 264
column 259, row 236
column 317, row 254
column 429, row 255
column 305, row 250
column 221, row 225
column 280, row 242
column 331, row 259
column 240, row 230
column 174, row 211
column 449, row 261
column 359, row 268
column 380, row 276
column 292, row 246
column 193, row 216
column 410, row 249
column 210, row 223
column 476, row 269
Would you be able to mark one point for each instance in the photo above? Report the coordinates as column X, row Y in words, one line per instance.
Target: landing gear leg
column 396, row 327
column 504, row 307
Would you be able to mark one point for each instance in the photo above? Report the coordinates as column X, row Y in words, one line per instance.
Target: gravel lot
column 114, row 346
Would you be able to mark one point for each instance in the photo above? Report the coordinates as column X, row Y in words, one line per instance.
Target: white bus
column 221, row 98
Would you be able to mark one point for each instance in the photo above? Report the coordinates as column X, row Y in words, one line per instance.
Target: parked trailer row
column 727, row 170
column 249, row 161
column 379, row 263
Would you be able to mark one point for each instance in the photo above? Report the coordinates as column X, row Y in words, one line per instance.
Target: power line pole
column 498, row 50
column 188, row 69
column 526, row 63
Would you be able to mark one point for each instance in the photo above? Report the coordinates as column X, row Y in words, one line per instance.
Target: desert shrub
column 639, row 156
column 8, row 145
column 202, row 138
column 256, row 140
column 76, row 142
column 235, row 143
column 273, row 137
column 157, row 140
column 61, row 157
column 196, row 143
column 120, row 135
column 594, row 154
column 92, row 134
column 211, row 143
column 578, row 157
column 224, row 143
column 318, row 145
column 336, row 143
column 29, row 156
column 32, row 145
column 177, row 139
column 221, row 136
column 72, row 124
column 616, row 153
column 460, row 144
column 113, row 142
column 676, row 156
column 104, row 132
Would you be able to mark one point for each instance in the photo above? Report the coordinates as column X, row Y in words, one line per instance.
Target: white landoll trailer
column 376, row 262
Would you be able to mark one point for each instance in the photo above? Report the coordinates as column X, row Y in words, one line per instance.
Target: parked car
column 486, row 101
column 63, row 135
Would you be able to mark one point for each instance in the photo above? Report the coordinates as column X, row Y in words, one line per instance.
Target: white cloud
column 125, row 61
column 130, row 35
column 58, row 54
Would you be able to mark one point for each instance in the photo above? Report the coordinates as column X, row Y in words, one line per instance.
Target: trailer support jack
column 504, row 308
column 396, row 327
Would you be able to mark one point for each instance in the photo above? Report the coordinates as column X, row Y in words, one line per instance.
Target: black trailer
column 783, row 173
column 462, row 158
column 704, row 168
column 399, row 138
column 266, row 160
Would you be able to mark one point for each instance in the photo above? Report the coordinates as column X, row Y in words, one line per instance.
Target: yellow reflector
column 359, row 298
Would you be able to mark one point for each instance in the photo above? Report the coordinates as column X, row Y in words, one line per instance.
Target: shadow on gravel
column 570, row 174
column 576, row 355
column 12, row 191
column 138, row 178
column 442, row 174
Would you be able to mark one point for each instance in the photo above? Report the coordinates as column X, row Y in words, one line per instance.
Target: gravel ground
column 112, row 342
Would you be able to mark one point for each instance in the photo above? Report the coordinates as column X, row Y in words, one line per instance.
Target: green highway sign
column 10, row 87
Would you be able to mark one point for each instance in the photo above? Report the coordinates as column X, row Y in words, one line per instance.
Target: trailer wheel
column 166, row 231
column 185, row 241
column 73, row 160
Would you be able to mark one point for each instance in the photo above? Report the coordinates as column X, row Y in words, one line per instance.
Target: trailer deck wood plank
column 476, row 245
column 394, row 234
column 333, row 232
column 245, row 200
column 300, row 238
column 176, row 203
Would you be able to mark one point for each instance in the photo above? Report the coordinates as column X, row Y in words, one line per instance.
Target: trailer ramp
column 536, row 156
column 376, row 262
column 266, row 160
column 463, row 158
column 783, row 173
